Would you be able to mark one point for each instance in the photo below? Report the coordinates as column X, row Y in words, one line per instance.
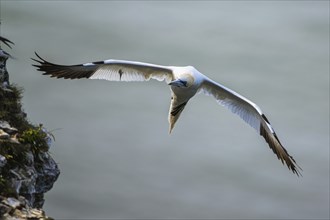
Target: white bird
column 184, row 83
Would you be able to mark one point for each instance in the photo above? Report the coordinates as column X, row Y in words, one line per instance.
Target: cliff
column 27, row 170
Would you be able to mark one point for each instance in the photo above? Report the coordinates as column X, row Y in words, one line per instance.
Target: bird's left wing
column 112, row 70
column 252, row 115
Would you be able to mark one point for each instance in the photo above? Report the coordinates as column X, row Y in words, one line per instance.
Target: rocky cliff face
column 27, row 170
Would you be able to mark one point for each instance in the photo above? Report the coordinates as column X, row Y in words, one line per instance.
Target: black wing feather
column 6, row 41
column 63, row 71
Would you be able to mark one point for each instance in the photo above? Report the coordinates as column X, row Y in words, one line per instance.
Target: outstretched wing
column 112, row 70
column 252, row 115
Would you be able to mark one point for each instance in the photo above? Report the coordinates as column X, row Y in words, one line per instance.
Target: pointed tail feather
column 175, row 111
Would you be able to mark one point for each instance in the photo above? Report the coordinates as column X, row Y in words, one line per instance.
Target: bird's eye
column 184, row 83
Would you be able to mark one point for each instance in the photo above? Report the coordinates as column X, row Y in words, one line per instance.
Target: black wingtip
column 42, row 65
column 39, row 56
column 6, row 41
column 297, row 170
column 41, row 60
column 61, row 71
column 38, row 61
column 278, row 149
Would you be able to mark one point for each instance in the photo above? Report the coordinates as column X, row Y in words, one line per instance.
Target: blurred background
column 116, row 157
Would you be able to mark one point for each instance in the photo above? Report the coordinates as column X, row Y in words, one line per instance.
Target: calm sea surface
column 116, row 157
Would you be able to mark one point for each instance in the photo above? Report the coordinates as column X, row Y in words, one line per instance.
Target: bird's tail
column 175, row 110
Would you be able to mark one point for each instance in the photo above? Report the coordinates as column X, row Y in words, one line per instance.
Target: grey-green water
column 113, row 147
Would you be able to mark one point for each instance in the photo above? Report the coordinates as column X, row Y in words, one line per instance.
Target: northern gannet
column 184, row 83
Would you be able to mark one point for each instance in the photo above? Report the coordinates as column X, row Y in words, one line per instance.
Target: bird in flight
column 184, row 83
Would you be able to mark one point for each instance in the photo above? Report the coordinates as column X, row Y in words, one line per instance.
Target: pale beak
column 178, row 83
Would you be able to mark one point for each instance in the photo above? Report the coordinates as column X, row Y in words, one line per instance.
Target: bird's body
column 184, row 82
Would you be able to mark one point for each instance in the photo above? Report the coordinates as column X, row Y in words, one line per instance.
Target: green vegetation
column 11, row 107
column 23, row 147
column 36, row 138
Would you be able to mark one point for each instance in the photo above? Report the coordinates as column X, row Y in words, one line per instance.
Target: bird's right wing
column 112, row 70
column 252, row 115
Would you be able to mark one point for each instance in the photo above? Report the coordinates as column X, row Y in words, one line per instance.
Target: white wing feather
column 238, row 104
column 112, row 70
column 251, row 114
column 121, row 70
